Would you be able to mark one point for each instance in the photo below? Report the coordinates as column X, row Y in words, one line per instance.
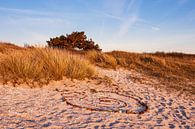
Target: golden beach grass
column 42, row 65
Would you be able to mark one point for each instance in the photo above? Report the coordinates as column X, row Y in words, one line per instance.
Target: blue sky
column 130, row 25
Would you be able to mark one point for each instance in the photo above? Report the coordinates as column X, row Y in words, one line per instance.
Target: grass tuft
column 42, row 65
column 101, row 59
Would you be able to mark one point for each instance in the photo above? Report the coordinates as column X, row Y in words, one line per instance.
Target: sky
column 129, row 25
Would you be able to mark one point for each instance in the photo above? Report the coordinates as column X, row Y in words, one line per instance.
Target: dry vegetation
column 174, row 70
column 155, row 65
column 8, row 47
column 101, row 59
column 40, row 65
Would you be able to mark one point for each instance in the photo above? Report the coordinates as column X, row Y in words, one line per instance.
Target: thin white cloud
column 33, row 12
column 24, row 11
column 155, row 28
column 130, row 5
column 127, row 24
column 35, row 22
column 114, row 7
column 27, row 18
column 33, row 25
column 112, row 16
column 131, row 17
column 150, row 25
column 107, row 15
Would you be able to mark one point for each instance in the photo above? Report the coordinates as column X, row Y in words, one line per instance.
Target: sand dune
column 107, row 102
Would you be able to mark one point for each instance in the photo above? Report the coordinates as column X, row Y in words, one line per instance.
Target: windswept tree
column 73, row 41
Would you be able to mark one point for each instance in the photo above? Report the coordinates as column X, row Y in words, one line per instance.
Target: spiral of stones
column 105, row 101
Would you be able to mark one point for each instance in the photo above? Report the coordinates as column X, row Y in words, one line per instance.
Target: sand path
column 47, row 107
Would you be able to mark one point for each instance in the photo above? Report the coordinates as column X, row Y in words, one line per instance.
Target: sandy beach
column 110, row 101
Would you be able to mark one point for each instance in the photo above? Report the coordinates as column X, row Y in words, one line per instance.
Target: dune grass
column 155, row 65
column 8, row 47
column 42, row 65
column 174, row 70
column 101, row 59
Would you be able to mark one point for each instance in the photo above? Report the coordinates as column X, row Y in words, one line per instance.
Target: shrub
column 75, row 40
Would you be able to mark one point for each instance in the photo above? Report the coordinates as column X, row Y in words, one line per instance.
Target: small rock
column 99, row 120
column 165, row 117
column 93, row 91
column 176, row 111
column 182, row 107
column 158, row 122
column 192, row 108
column 172, row 126
column 179, row 116
column 63, row 99
column 103, row 126
column 184, row 114
column 187, row 127
column 62, row 111
column 57, row 89
column 163, row 104
column 47, row 124
column 183, row 123
column 122, row 111
column 147, row 97
column 69, row 117
column 170, row 101
column 31, row 121
column 160, row 110
column 163, row 99
column 113, row 123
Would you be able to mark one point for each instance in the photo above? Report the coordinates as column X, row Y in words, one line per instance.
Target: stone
column 172, row 126
column 47, row 124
